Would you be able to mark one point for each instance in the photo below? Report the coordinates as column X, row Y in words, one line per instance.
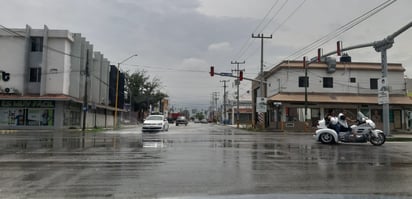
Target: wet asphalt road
column 198, row 161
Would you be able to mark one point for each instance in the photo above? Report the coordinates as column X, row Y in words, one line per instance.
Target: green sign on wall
column 27, row 104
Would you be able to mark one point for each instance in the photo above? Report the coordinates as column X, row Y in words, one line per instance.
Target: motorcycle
column 364, row 131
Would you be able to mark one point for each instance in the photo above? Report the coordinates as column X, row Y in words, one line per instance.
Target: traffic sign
column 261, row 104
column 226, row 74
column 383, row 91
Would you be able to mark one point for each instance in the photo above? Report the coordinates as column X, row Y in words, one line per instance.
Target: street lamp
column 117, row 88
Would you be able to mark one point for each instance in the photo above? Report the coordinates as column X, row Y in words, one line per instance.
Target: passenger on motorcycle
column 332, row 122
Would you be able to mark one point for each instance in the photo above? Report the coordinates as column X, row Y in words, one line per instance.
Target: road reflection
column 67, row 141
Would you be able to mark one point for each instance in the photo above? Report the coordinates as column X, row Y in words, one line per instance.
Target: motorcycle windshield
column 361, row 116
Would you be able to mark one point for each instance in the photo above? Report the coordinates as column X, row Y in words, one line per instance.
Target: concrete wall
column 95, row 72
column 104, row 84
column 75, row 72
column 57, row 74
column 12, row 52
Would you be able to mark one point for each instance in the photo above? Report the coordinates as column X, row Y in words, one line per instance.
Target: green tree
column 200, row 116
column 143, row 90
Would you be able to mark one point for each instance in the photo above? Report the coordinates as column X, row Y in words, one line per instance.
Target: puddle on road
column 69, row 141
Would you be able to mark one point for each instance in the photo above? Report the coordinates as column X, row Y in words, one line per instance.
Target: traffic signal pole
column 238, row 78
column 380, row 46
column 238, row 72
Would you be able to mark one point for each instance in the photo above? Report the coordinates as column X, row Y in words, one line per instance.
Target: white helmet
column 341, row 116
column 333, row 120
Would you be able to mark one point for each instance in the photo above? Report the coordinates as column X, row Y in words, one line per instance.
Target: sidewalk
column 400, row 135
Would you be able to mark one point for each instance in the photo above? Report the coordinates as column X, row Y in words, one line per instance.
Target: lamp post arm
column 117, row 89
column 126, row 59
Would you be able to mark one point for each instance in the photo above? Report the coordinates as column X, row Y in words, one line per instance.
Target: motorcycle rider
column 343, row 124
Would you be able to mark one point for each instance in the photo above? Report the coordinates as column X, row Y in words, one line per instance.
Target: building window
column 302, row 81
column 37, row 44
column 35, row 74
column 374, row 83
column 328, row 82
column 352, row 80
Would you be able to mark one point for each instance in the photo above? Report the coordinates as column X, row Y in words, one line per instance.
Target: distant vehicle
column 155, row 123
column 204, row 121
column 181, row 120
column 173, row 117
column 196, row 121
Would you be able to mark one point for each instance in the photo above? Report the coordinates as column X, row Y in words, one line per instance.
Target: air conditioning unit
column 9, row 90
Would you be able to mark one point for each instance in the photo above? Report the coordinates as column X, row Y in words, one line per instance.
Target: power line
column 4, row 28
column 276, row 14
column 248, row 42
column 20, row 36
column 289, row 16
column 281, row 24
column 340, row 30
column 167, row 69
column 264, row 18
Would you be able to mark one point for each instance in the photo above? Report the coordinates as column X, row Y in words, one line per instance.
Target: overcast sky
column 178, row 40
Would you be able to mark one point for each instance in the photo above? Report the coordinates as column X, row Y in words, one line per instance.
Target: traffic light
column 240, row 75
column 304, row 62
column 338, row 48
column 320, row 52
column 212, row 71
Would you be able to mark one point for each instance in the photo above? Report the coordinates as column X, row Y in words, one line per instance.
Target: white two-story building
column 345, row 87
column 43, row 80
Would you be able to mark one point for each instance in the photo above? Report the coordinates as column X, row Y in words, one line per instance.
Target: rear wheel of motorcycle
column 326, row 138
column 379, row 140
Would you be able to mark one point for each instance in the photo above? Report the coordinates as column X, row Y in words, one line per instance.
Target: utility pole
column 262, row 37
column 306, row 88
column 224, row 99
column 131, row 103
column 85, row 105
column 237, row 82
column 214, row 104
column 215, row 98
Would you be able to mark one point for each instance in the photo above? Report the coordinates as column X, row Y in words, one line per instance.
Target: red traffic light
column 338, row 48
column 319, row 54
column 304, row 62
column 212, row 71
column 240, row 75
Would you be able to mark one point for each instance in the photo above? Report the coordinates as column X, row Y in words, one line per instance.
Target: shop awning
column 339, row 98
column 241, row 110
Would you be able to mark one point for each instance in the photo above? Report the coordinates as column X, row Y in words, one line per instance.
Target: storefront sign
column 383, row 92
column 27, row 104
column 4, row 76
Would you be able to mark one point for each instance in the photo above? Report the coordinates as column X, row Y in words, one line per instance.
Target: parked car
column 155, row 123
column 196, row 121
column 181, row 120
column 204, row 121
